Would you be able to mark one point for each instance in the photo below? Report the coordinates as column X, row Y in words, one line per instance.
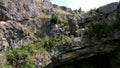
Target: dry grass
column 43, row 56
column 61, row 12
column 39, row 1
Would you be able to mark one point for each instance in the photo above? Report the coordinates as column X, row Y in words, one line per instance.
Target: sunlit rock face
column 89, row 51
column 47, row 4
column 12, row 14
column 108, row 8
column 21, row 21
column 20, row 10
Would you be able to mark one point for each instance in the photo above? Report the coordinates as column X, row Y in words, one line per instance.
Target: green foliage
column 22, row 57
column 64, row 40
column 117, row 24
column 38, row 34
column 94, row 10
column 7, row 66
column 55, row 18
column 0, row 30
column 64, row 21
column 100, row 28
column 49, row 43
column 15, row 55
column 79, row 11
column 96, row 29
column 30, row 63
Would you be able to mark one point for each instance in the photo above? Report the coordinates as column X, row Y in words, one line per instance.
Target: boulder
column 47, row 4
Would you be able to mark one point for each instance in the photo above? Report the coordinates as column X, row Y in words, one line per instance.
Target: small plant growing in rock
column 47, row 43
column 38, row 33
column 19, row 57
column 65, row 40
column 55, row 18
column 0, row 30
column 16, row 57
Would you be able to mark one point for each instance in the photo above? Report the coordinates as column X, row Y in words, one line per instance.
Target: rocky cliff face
column 18, row 20
column 95, row 34
column 91, row 51
column 20, row 10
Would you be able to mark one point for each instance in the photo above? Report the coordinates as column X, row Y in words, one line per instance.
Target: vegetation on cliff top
column 100, row 28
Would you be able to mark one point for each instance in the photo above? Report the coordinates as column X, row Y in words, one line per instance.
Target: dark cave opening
column 109, row 60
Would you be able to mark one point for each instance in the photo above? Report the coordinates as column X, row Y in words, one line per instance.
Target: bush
column 38, row 33
column 96, row 29
column 47, row 43
column 0, row 30
column 55, row 18
column 30, row 63
column 100, row 28
column 16, row 57
column 20, row 57
column 65, row 40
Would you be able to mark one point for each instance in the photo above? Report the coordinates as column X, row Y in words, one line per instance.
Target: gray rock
column 73, row 23
column 19, row 10
column 66, row 8
column 55, row 6
column 108, row 8
column 14, row 35
column 20, row 22
column 47, row 4
column 85, row 48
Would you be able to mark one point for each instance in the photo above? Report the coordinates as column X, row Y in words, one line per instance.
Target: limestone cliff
column 70, row 40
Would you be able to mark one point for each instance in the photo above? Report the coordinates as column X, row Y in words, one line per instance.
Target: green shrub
column 47, row 43
column 64, row 21
column 29, row 63
column 21, row 56
column 96, row 29
column 0, row 30
column 38, row 33
column 65, row 40
column 55, row 18
column 99, row 28
column 17, row 57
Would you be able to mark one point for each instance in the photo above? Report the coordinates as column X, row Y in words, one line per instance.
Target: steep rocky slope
column 96, row 50
column 27, row 32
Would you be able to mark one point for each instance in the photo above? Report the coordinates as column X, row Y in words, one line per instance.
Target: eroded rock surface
column 90, row 46
column 24, row 21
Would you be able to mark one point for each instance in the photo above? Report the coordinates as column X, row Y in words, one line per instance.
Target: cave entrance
column 110, row 60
